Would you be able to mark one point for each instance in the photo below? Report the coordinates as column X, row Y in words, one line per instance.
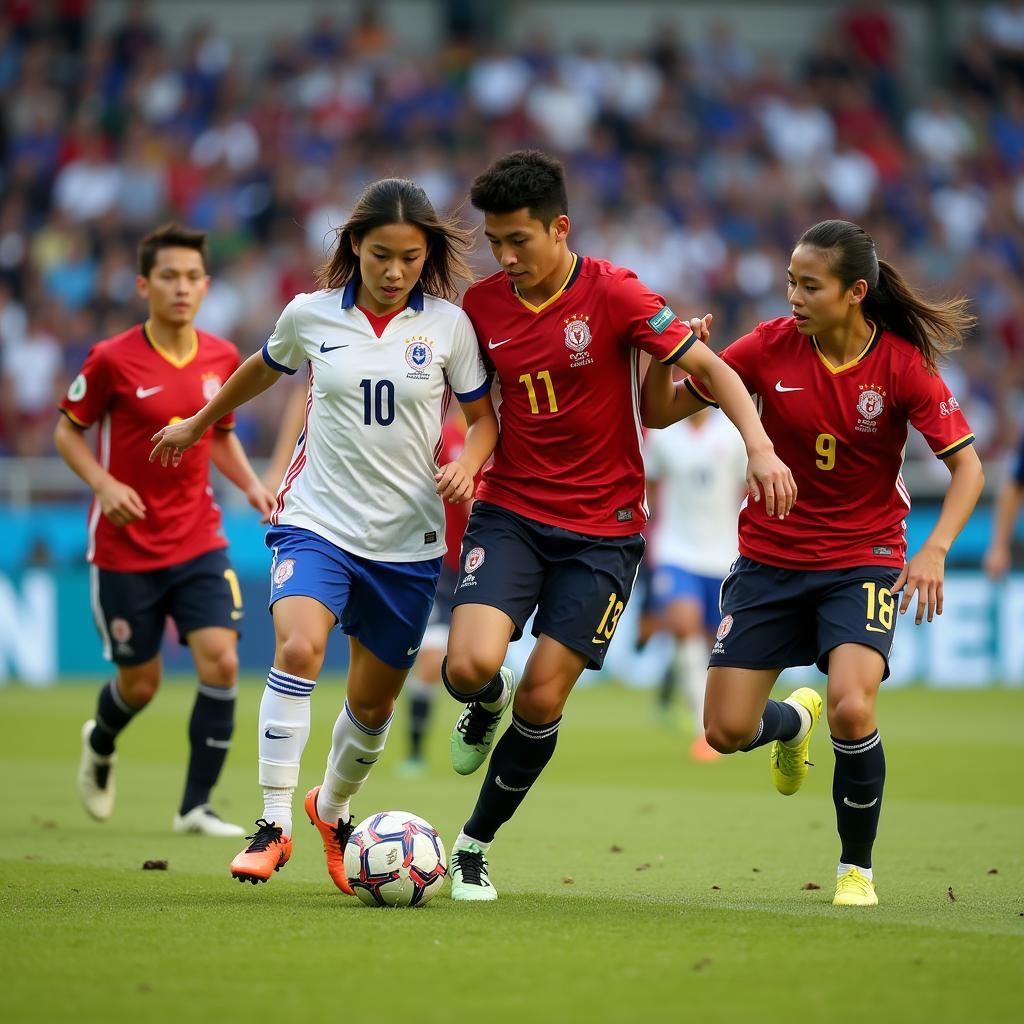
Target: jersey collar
column 863, row 354
column 348, row 298
column 574, row 272
column 174, row 360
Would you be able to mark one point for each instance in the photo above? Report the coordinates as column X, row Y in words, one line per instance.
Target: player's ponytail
column 934, row 328
column 399, row 201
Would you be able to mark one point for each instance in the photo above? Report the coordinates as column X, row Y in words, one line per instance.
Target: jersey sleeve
column 933, row 410
column 744, row 356
column 232, row 362
column 284, row 350
column 88, row 395
column 646, row 322
column 465, row 369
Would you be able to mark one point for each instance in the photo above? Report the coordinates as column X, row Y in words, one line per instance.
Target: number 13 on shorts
column 606, row 627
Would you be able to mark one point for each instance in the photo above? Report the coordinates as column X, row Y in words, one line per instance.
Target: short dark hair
column 526, row 178
column 169, row 236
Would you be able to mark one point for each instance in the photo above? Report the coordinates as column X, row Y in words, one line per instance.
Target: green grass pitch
column 634, row 884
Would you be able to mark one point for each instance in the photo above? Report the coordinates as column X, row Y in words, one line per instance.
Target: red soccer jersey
column 133, row 389
column 841, row 430
column 568, row 451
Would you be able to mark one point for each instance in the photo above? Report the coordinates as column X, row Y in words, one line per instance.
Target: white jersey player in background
column 358, row 531
column 697, row 467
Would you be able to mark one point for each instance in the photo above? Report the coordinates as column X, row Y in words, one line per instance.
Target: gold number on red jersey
column 610, row 619
column 531, row 391
column 825, row 446
column 881, row 605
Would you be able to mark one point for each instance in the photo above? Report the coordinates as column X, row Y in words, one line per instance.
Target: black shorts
column 776, row 618
column 578, row 584
column 131, row 608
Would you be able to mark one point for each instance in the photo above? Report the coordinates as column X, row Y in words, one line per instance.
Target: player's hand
column 767, row 472
column 120, row 503
column 996, row 562
column 922, row 575
column 701, row 327
column 172, row 440
column 454, row 483
column 262, row 500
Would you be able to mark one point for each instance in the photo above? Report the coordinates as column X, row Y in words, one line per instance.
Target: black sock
column 487, row 694
column 209, row 731
column 779, row 721
column 857, row 792
column 112, row 715
column 517, row 760
column 419, row 715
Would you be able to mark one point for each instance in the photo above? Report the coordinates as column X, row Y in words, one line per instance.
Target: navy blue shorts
column 384, row 605
column 578, row 584
column 132, row 608
column 776, row 618
column 673, row 583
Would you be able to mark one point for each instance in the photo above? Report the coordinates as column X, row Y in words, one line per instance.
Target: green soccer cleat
column 789, row 764
column 470, row 880
column 473, row 734
column 854, row 890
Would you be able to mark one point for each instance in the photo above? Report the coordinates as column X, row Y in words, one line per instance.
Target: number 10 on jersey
column 378, row 402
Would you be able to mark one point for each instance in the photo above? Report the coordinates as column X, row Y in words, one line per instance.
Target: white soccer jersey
column 701, row 471
column 362, row 475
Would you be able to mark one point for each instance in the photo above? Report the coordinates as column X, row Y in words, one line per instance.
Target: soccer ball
column 395, row 859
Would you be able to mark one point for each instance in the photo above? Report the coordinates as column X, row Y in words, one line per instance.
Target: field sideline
column 634, row 883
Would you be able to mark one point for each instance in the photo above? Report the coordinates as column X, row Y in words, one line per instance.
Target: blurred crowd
column 695, row 161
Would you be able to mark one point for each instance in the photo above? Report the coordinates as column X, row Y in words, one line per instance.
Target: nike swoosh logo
column 859, row 807
column 324, row 347
column 273, row 736
column 779, row 387
column 235, row 616
column 362, row 760
column 497, row 344
column 146, row 392
column 596, row 641
column 876, row 629
column 412, row 650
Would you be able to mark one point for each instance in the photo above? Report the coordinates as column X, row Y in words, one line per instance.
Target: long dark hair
column 934, row 328
column 399, row 201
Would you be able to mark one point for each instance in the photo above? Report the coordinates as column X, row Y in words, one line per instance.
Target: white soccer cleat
column 95, row 782
column 203, row 821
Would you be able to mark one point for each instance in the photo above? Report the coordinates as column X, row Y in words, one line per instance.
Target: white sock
column 355, row 749
column 464, row 842
column 495, row 706
column 843, row 868
column 690, row 664
column 284, row 730
column 805, row 723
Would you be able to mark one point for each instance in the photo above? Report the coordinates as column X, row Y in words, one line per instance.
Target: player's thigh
column 301, row 628
column 372, row 686
column 130, row 614
column 477, row 642
column 501, row 568
column 204, row 593
column 550, row 674
column 587, row 583
column 854, row 677
column 734, row 700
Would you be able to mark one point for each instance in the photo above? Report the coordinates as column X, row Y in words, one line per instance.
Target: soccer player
column 156, row 545
column 557, row 522
column 358, row 529
column 698, row 466
column 997, row 558
column 838, row 383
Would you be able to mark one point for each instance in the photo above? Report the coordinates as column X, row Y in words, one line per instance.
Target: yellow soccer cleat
column 789, row 764
column 854, row 890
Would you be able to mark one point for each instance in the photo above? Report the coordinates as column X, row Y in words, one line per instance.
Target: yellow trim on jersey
column 856, row 359
column 170, row 357
column 224, row 430
column 698, row 391
column 74, row 419
column 948, row 450
column 688, row 339
column 557, row 295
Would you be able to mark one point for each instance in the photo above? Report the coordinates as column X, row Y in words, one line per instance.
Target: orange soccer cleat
column 335, row 837
column 268, row 851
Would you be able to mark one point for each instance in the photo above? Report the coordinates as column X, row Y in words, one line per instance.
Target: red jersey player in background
column 156, row 545
column 837, row 383
column 557, row 522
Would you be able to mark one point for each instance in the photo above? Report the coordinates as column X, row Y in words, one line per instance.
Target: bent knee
column 851, row 717
column 540, row 704
column 300, row 655
column 137, row 687
column 468, row 671
column 222, row 668
column 728, row 737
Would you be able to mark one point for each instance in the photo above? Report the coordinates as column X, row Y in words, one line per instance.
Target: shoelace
column 265, row 834
column 342, row 832
column 475, row 725
column 471, row 865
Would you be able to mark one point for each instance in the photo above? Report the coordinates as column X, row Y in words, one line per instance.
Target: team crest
column 211, row 385
column 120, row 630
column 474, row 559
column 870, row 404
column 723, row 628
column 283, row 572
column 418, row 353
column 577, row 332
